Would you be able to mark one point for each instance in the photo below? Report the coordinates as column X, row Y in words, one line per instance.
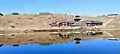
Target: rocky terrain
column 32, row 21
column 23, row 22
column 14, row 27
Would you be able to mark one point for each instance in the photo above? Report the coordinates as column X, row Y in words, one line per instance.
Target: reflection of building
column 43, row 39
column 114, row 39
column 45, row 44
column 1, row 45
column 93, row 33
column 77, row 18
column 61, row 23
column 16, row 45
column 77, row 40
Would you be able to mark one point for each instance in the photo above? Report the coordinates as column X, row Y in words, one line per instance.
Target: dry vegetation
column 36, row 21
column 23, row 22
column 28, row 22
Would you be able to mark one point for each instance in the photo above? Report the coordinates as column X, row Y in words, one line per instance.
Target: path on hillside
column 108, row 33
column 105, row 24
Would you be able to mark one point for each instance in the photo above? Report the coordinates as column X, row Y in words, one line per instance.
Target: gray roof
column 112, row 14
column 92, row 21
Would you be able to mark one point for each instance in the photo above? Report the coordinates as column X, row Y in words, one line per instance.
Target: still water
column 37, row 43
column 97, row 46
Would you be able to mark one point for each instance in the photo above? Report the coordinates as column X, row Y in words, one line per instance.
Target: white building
column 112, row 15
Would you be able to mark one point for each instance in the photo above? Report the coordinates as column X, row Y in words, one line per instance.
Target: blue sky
column 83, row 7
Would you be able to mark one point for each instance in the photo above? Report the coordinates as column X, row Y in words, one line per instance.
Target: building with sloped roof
column 15, row 13
column 92, row 24
column 112, row 15
column 1, row 14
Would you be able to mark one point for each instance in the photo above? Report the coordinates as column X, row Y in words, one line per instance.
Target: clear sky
column 87, row 7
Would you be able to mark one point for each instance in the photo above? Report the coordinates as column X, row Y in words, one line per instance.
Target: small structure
column 15, row 13
column 61, row 23
column 77, row 18
column 112, row 15
column 92, row 24
column 1, row 14
column 55, row 24
column 66, row 23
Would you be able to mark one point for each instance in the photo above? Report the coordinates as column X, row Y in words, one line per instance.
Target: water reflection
column 15, row 45
column 1, row 45
column 63, row 42
column 42, row 38
column 48, row 38
column 77, row 41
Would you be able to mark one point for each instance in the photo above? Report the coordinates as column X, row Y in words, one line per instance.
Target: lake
column 97, row 46
column 40, row 43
